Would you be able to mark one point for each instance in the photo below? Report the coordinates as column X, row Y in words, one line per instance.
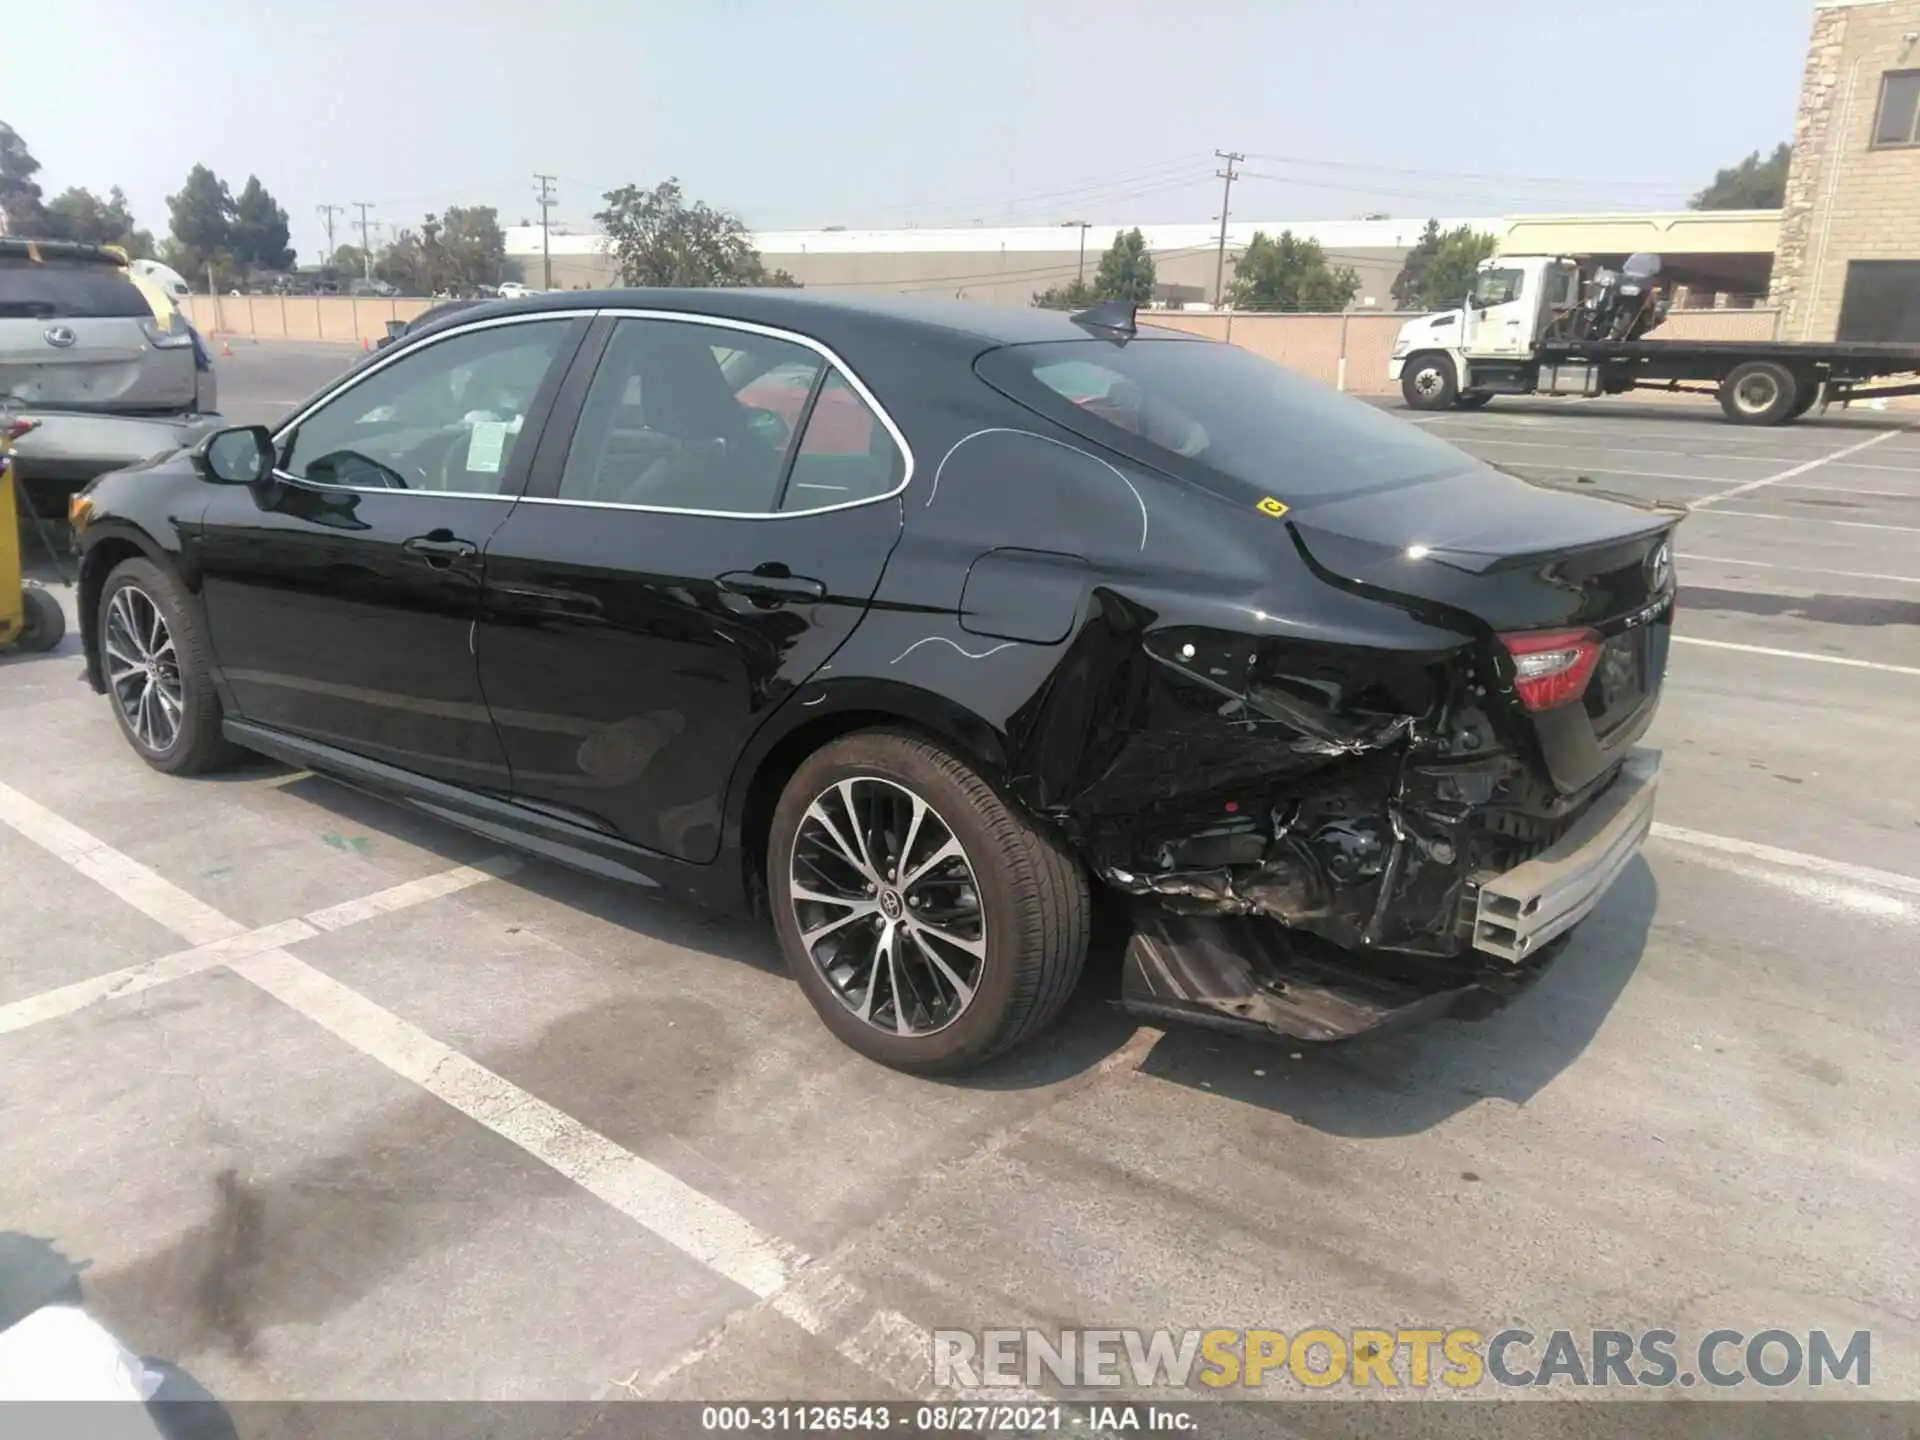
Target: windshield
column 1219, row 415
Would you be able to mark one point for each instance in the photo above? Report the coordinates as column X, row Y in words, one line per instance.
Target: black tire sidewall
column 979, row 1030
column 161, row 588
column 1787, row 394
column 43, row 622
column 1450, row 383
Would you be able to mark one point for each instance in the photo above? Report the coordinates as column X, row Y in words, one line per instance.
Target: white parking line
column 1799, row 655
column 1880, row 439
column 1790, row 859
column 1819, row 520
column 153, row 895
column 689, row 1221
column 1799, row 569
column 1641, row 474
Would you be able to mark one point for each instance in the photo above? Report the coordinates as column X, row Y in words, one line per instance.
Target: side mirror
column 240, row 456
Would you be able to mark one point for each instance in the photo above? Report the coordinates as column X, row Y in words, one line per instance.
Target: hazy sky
column 822, row 112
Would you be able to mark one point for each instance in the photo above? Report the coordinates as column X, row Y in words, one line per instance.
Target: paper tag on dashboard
column 487, row 445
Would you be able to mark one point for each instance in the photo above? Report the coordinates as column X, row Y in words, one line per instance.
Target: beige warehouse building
column 1848, row 266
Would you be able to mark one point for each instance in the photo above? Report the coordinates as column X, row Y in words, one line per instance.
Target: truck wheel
column 1759, row 393
column 1473, row 400
column 1427, row 381
column 43, row 622
column 1809, row 393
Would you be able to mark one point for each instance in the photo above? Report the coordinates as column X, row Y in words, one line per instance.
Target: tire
column 1013, row 890
column 137, row 591
column 1759, row 392
column 42, row 620
column 1427, row 381
column 1809, row 393
column 1473, row 400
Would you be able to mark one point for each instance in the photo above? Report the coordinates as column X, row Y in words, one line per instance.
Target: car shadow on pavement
column 1089, row 1029
column 1408, row 1081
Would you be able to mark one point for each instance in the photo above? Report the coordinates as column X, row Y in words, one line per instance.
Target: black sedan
column 914, row 624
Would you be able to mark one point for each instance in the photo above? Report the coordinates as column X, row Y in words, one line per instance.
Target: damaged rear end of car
column 1369, row 748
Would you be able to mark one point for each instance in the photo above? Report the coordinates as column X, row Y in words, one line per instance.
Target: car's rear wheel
column 931, row 925
column 1427, row 381
column 158, row 677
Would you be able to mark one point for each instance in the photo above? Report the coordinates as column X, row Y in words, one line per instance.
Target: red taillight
column 14, row 429
column 1551, row 667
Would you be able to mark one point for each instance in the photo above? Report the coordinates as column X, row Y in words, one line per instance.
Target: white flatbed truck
column 1546, row 325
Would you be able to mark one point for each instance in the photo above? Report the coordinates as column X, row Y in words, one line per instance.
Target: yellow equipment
column 30, row 617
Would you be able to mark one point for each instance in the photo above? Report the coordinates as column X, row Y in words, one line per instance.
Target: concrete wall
column 1846, row 200
column 299, row 317
column 1350, row 350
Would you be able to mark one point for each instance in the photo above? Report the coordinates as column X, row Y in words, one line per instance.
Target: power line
column 547, row 201
column 1561, row 182
column 1226, row 203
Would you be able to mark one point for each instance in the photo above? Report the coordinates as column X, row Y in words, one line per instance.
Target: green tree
column 349, row 259
column 1290, row 274
column 1438, row 272
column 258, row 234
column 20, row 210
column 80, row 215
column 656, row 238
column 202, row 215
column 473, row 246
column 1126, row 270
column 1074, row 295
column 1753, row 184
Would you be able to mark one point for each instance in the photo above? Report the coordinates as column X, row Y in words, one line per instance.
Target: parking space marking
column 1799, row 655
column 150, row 893
column 1790, row 859
column 411, row 892
column 1819, row 520
column 1642, row 474
column 1801, row 469
column 117, row 984
column 1799, row 569
column 686, row 1219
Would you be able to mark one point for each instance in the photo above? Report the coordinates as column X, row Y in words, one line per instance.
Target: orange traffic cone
column 225, row 348
column 364, row 346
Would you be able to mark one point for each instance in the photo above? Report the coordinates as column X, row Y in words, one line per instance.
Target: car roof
column 842, row 315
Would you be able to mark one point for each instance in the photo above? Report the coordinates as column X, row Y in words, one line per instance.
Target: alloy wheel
column 143, row 668
column 1428, row 381
column 887, row 906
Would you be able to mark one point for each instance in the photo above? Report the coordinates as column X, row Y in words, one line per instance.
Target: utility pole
column 326, row 213
column 366, row 245
column 1226, row 198
column 1080, row 277
column 547, row 201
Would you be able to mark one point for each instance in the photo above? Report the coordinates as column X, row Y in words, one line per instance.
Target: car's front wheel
column 931, row 925
column 154, row 661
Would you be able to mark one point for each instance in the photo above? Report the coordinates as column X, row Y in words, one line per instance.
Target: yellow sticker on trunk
column 1271, row 506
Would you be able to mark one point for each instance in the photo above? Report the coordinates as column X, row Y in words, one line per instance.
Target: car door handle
column 772, row 583
column 440, row 549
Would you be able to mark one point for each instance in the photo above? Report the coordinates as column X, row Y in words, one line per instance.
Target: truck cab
column 1516, row 300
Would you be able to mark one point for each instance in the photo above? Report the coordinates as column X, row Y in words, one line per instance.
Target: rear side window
column 52, row 291
column 845, row 455
column 1220, row 416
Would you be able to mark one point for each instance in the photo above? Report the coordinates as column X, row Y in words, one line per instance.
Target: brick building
column 1848, row 265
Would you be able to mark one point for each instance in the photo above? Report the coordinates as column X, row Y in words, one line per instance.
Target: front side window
column 446, row 417
column 1899, row 122
column 1498, row 287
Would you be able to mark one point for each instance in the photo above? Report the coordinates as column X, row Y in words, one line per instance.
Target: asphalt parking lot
column 330, row 1101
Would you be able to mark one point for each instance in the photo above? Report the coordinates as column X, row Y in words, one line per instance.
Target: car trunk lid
column 73, row 335
column 1543, row 577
